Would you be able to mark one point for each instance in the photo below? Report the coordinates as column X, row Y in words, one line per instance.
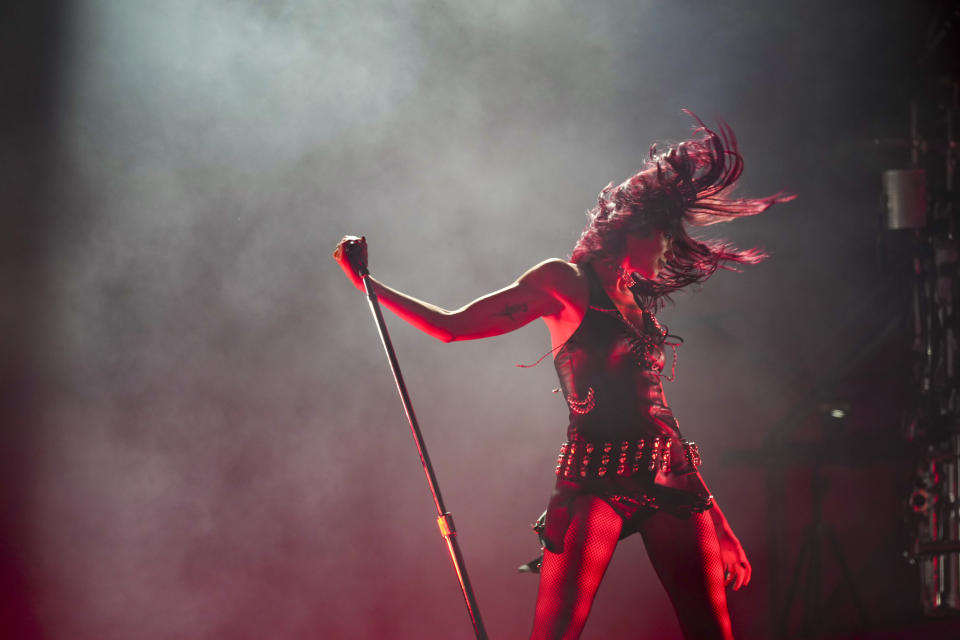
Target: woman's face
column 647, row 252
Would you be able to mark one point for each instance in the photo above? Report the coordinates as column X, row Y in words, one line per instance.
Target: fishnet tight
column 684, row 552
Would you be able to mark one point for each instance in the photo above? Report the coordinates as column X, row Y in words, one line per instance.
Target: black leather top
column 622, row 365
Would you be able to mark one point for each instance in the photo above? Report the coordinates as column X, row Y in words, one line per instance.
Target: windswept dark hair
column 688, row 183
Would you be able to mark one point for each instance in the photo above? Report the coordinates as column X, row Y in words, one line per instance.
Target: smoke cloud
column 223, row 454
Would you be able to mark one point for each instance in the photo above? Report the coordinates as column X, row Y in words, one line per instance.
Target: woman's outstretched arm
column 537, row 293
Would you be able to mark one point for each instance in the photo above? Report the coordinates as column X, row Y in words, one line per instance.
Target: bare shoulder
column 553, row 273
column 556, row 276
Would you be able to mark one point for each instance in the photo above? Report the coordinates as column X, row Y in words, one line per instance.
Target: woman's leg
column 686, row 556
column 569, row 580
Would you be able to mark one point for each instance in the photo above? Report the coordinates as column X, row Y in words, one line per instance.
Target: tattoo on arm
column 511, row 309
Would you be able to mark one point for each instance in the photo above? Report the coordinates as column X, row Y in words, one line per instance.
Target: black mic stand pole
column 444, row 519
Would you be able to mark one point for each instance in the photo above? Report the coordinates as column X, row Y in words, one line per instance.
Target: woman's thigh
column 686, row 556
column 569, row 580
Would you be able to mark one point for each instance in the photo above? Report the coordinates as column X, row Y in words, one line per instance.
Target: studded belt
column 580, row 459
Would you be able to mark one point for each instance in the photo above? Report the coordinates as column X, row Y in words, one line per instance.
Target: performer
column 625, row 467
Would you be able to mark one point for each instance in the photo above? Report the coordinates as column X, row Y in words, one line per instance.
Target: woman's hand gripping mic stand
column 356, row 253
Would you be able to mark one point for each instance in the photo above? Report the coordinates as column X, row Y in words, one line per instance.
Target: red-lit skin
column 554, row 290
column 558, row 292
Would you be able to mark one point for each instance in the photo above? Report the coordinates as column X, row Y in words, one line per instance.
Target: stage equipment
column 933, row 420
column 836, row 447
column 808, row 571
column 357, row 258
column 905, row 192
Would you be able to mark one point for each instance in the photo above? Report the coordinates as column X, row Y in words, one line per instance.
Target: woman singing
column 625, row 467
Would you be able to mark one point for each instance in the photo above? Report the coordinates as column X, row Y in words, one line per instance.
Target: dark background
column 200, row 434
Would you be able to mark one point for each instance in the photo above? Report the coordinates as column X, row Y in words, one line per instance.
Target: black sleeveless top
column 610, row 371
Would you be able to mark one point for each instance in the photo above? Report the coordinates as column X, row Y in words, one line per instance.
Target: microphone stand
column 444, row 518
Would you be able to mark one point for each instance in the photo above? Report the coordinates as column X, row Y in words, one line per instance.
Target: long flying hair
column 687, row 184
